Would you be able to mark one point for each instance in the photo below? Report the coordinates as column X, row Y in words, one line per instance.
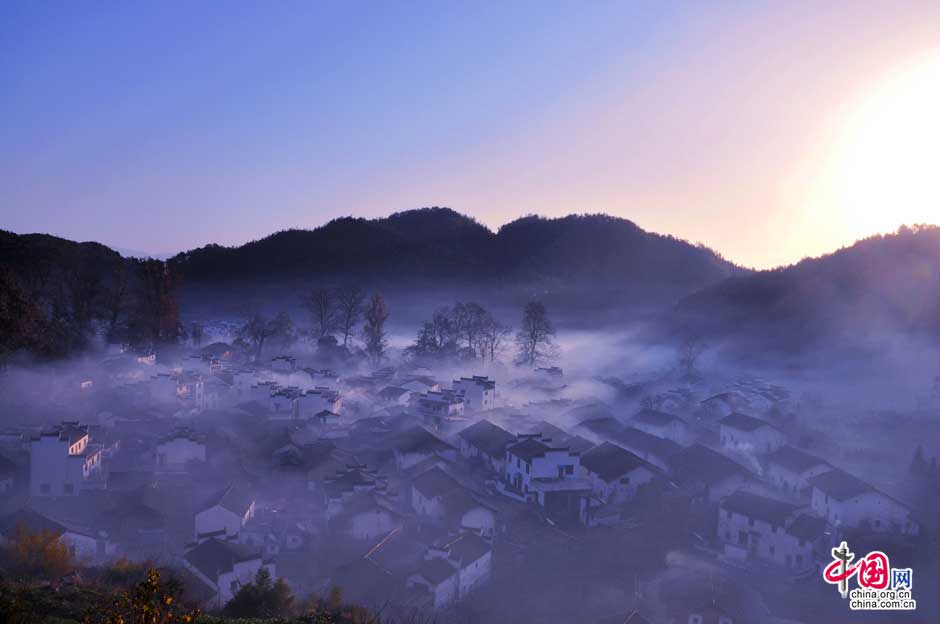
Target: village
column 468, row 497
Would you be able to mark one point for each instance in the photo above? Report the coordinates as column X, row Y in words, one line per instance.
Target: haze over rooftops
column 743, row 422
column 794, row 460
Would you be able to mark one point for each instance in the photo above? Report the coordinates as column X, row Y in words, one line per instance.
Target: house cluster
column 400, row 489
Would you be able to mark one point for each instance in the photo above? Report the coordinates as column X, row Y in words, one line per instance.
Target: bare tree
column 492, row 339
column 260, row 330
column 321, row 303
column 350, row 300
column 374, row 330
column 469, row 319
column 690, row 350
column 534, row 339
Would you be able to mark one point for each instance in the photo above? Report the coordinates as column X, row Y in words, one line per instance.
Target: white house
column 224, row 567
column 441, row 499
column 790, row 469
column 615, row 473
column 751, row 526
column 438, row 407
column 454, row 569
column 845, row 500
column 551, row 477
column 60, row 460
column 365, row 516
column 478, row 393
column 741, row 432
column 225, row 514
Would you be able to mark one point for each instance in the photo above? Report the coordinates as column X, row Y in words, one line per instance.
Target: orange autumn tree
column 40, row 554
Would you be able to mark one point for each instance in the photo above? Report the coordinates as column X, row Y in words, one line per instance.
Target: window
column 695, row 619
column 774, row 529
column 68, row 488
column 527, row 467
column 728, row 514
column 742, row 538
column 773, row 550
column 44, row 488
column 799, row 560
column 877, row 523
column 750, row 522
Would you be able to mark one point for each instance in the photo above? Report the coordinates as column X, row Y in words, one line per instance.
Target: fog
column 209, row 444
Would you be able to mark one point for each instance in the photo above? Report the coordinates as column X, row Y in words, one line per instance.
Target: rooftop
column 743, row 422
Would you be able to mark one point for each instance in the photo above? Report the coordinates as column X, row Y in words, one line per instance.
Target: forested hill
column 440, row 244
column 872, row 293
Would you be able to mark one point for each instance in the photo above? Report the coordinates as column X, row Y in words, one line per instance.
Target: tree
column 690, row 350
column 469, row 320
column 349, row 308
column 374, row 329
column 261, row 330
column 152, row 601
column 491, row 341
column 534, row 340
column 156, row 318
column 322, row 305
column 40, row 554
column 261, row 599
column 436, row 337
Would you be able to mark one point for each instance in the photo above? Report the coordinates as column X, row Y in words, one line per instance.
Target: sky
column 761, row 129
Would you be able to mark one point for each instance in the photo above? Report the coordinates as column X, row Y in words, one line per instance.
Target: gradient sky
column 162, row 126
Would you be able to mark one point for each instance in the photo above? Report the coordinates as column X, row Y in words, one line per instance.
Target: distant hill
column 595, row 255
column 866, row 295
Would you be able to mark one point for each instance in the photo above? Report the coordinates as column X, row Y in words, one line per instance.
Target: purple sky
column 163, row 126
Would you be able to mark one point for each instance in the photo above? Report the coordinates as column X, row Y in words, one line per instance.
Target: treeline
column 57, row 296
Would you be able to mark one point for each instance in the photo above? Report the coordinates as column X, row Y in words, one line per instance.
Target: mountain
column 866, row 295
column 438, row 247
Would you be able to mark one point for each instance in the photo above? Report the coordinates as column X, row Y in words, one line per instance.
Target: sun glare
column 884, row 169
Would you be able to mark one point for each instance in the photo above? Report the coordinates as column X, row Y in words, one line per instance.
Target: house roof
column 647, row 443
column 743, row 422
column 769, row 510
column 529, row 449
column 434, row 483
column 702, row 464
column 419, row 440
column 610, row 461
column 489, row 438
column 436, row 570
column 655, row 418
column 605, row 425
column 215, row 557
column 235, row 498
column 392, row 393
column 794, row 460
column 840, row 484
column 466, row 548
column 807, row 527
